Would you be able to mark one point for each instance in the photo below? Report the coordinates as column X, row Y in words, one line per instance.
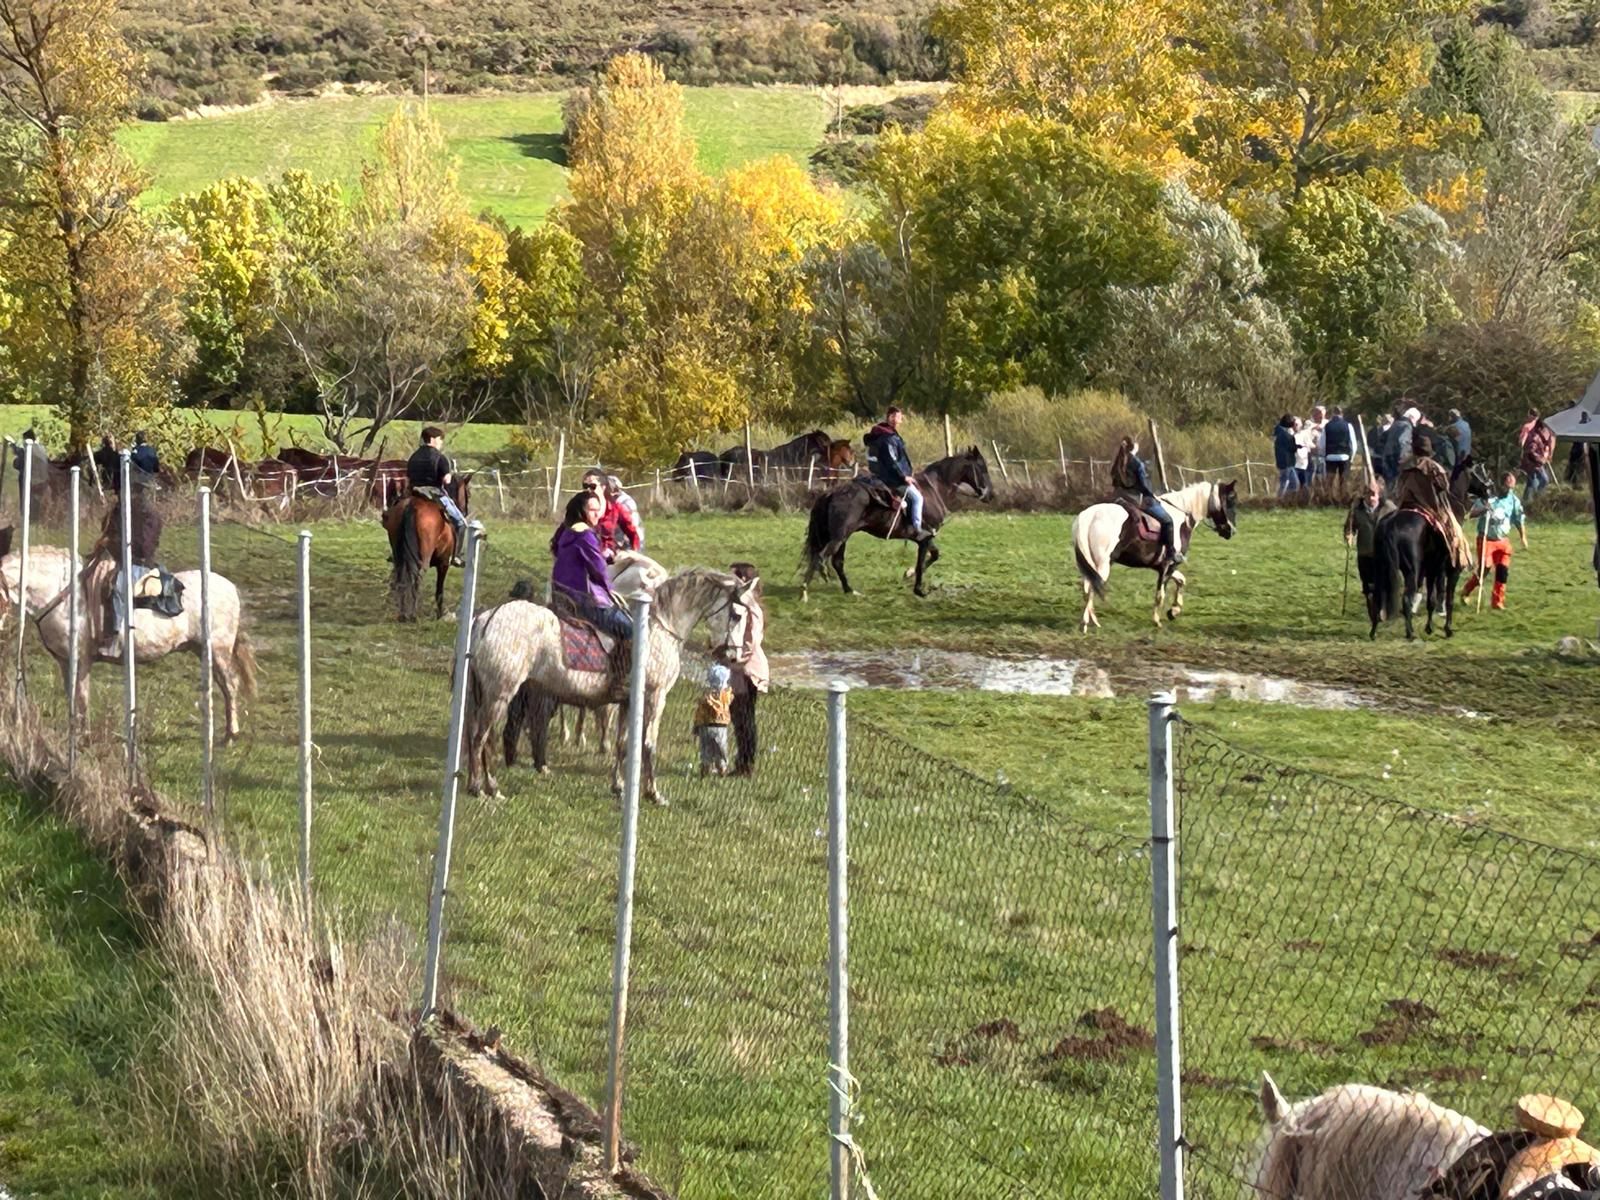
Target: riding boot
column 1175, row 554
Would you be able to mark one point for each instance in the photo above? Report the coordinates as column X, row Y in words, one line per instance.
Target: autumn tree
column 102, row 336
column 1305, row 94
column 1113, row 71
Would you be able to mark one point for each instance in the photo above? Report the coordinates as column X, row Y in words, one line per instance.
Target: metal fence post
column 207, row 727
column 130, row 695
column 452, row 770
column 305, row 720
column 75, row 585
column 26, row 506
column 838, row 949
column 622, row 950
column 1164, row 925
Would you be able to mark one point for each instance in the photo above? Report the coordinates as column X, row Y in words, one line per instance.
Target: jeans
column 913, row 503
column 1169, row 532
column 454, row 516
column 117, row 604
column 1538, row 480
column 1288, row 481
column 608, row 618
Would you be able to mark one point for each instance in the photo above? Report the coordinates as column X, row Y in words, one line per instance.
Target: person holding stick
column 1497, row 517
column 1361, row 531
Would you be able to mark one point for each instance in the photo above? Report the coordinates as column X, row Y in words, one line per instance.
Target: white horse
column 50, row 578
column 1103, row 534
column 1356, row 1142
column 519, row 642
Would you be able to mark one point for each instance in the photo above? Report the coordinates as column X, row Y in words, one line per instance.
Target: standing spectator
column 1305, row 437
column 1461, row 434
column 750, row 676
column 1538, row 443
column 1397, row 449
column 1283, row 452
column 615, row 528
column 109, row 463
column 615, row 495
column 1361, row 531
column 712, row 716
column 1318, row 426
column 35, row 451
column 144, row 456
column 1497, row 517
column 1377, row 445
column 1339, row 444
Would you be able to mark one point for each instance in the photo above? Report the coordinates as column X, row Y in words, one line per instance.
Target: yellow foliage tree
column 1302, row 94
column 1111, row 70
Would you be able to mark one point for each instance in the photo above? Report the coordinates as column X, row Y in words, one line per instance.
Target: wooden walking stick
column 1345, row 598
column 1478, row 604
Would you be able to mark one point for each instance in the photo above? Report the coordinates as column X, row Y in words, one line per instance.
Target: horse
column 50, row 580
column 1412, row 553
column 1354, row 1140
column 795, row 454
column 1107, row 533
column 519, row 642
column 866, row 505
column 696, row 467
column 420, row 536
column 841, row 458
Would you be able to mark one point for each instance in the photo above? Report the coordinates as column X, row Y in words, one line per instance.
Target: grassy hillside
column 509, row 146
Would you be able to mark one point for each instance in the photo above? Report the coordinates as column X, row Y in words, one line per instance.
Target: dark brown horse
column 1414, row 560
column 421, row 536
column 867, row 506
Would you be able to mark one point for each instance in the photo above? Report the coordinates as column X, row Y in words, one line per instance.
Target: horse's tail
column 819, row 535
column 407, row 546
column 244, row 661
column 1093, row 572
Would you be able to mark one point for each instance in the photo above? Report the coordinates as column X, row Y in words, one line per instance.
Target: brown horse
column 841, row 458
column 867, row 506
column 421, row 536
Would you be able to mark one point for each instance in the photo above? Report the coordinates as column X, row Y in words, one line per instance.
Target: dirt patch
column 1108, row 1038
column 1303, row 945
column 1584, row 1006
column 1474, row 960
column 1404, row 1019
column 970, row 1046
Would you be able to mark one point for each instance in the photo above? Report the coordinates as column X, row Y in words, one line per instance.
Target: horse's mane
column 1193, row 501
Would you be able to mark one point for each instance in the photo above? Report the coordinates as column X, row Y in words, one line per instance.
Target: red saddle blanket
column 1145, row 526
column 1430, row 518
column 584, row 648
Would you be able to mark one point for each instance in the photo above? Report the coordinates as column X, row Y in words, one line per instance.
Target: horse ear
column 1273, row 1106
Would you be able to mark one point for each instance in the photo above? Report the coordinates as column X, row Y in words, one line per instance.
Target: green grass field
column 512, row 161
column 999, row 887
column 80, row 997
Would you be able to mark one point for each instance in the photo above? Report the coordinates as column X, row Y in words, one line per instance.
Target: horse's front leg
column 1177, row 596
column 922, row 565
column 838, row 569
column 1161, row 596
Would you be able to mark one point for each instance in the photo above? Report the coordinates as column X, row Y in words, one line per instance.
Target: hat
column 1454, row 414
column 717, row 676
column 1412, row 415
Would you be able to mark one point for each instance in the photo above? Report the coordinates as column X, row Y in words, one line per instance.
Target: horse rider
column 143, row 456
column 580, row 572
column 890, row 464
column 1132, row 482
column 1497, row 517
column 429, row 474
column 102, row 574
column 1425, row 486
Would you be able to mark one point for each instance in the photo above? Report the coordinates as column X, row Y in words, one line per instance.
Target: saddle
column 160, row 592
column 1542, row 1156
column 1430, row 517
column 585, row 648
column 1146, row 527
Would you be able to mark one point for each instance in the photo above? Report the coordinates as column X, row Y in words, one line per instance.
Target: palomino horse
column 1414, row 555
column 1103, row 534
column 1358, row 1141
column 519, row 641
column 865, row 505
column 421, row 536
column 154, row 637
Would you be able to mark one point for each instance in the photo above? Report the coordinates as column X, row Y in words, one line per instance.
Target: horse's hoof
column 543, row 768
column 659, row 801
column 1172, row 614
column 922, row 592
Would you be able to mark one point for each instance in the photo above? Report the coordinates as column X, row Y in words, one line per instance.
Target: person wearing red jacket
column 1538, row 443
column 615, row 528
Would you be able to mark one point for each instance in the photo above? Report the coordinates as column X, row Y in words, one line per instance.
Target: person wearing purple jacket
column 580, row 572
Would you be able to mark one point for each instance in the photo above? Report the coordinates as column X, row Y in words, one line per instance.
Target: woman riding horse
column 1132, row 482
column 580, row 575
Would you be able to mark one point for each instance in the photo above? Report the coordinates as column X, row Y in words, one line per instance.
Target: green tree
column 103, row 335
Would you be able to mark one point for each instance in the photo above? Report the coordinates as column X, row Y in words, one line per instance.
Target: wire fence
column 1000, row 1032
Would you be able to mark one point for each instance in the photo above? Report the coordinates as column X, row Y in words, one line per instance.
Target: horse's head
column 461, row 485
column 1223, row 508
column 740, row 597
column 972, row 473
column 841, row 454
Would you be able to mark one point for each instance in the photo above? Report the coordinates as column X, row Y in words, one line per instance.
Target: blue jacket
column 144, row 457
column 886, row 456
column 1462, row 433
column 1340, row 438
column 1283, row 447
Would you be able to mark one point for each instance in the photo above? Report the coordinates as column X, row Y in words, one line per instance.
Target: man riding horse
column 1424, row 486
column 890, row 464
column 1132, row 482
column 429, row 474
column 102, row 574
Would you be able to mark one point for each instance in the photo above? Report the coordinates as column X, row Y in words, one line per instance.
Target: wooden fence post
column 1161, row 459
column 1000, row 458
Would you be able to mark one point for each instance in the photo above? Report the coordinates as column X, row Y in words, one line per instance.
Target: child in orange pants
column 1497, row 516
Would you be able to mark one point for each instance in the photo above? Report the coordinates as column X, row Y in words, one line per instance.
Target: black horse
column 696, row 467
column 795, row 454
column 865, row 505
column 1414, row 558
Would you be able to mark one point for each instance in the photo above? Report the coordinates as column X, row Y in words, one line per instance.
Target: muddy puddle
column 955, row 671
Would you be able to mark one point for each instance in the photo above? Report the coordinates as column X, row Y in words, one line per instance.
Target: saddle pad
column 1145, row 526
column 584, row 648
column 1430, row 519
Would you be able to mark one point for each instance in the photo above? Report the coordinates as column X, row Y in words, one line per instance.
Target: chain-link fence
column 1330, row 937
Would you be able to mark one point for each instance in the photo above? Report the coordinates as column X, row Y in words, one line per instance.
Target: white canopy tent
column 1581, row 423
